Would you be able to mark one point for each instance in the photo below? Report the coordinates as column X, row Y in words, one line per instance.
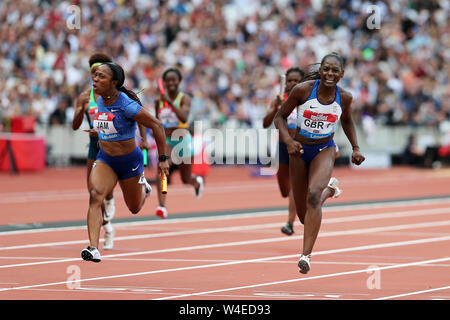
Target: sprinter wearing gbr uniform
column 321, row 103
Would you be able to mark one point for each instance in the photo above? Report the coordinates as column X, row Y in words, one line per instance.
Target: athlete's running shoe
column 109, row 240
column 287, row 229
column 148, row 187
column 199, row 189
column 91, row 254
column 161, row 212
column 334, row 184
column 304, row 263
column 110, row 209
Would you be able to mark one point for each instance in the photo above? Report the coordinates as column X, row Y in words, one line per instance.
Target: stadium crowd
column 231, row 54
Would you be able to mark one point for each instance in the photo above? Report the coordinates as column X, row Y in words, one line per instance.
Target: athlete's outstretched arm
column 81, row 104
column 273, row 109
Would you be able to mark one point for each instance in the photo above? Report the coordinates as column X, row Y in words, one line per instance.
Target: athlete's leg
column 285, row 189
column 134, row 192
column 186, row 175
column 102, row 180
column 291, row 208
column 283, row 179
column 299, row 185
column 320, row 170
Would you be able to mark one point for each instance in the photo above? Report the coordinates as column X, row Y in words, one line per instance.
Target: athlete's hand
column 165, row 97
column 164, row 167
column 92, row 132
column 278, row 101
column 357, row 157
column 294, row 148
column 145, row 145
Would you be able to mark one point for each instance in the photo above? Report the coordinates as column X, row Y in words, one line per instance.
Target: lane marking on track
column 255, row 213
column 309, row 278
column 248, row 242
column 413, row 293
column 214, row 187
column 350, row 249
column 376, row 216
column 76, row 194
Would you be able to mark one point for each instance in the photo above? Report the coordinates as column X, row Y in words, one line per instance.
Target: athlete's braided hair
column 119, row 75
column 312, row 73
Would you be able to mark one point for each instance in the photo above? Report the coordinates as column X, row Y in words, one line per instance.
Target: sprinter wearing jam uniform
column 86, row 105
column 119, row 159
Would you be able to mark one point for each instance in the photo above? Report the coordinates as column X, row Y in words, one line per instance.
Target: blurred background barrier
column 67, row 147
column 22, row 152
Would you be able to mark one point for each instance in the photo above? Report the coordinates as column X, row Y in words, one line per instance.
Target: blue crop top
column 115, row 122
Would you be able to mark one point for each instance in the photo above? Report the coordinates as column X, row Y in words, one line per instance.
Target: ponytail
column 131, row 94
column 312, row 73
column 119, row 75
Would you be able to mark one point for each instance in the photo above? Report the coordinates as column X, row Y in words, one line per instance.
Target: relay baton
column 163, row 183
column 144, row 153
column 282, row 85
column 162, row 91
column 166, row 105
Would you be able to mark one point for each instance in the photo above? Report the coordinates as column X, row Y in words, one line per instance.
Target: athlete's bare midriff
column 118, row 148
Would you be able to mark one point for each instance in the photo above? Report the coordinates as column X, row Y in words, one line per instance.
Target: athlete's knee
column 135, row 209
column 284, row 192
column 314, row 194
column 301, row 217
column 186, row 180
column 95, row 197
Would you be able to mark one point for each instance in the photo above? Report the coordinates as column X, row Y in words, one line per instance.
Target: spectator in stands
column 223, row 44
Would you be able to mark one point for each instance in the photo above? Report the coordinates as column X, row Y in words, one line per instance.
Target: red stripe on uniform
column 314, row 116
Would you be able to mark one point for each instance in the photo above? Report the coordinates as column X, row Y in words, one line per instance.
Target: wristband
column 163, row 157
column 354, row 147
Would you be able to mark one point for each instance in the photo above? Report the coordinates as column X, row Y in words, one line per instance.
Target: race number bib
column 168, row 118
column 104, row 123
column 317, row 125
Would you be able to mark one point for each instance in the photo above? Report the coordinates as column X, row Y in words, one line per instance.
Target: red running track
column 370, row 246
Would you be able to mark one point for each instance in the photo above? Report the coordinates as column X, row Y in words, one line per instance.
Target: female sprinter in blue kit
column 321, row 103
column 86, row 105
column 119, row 159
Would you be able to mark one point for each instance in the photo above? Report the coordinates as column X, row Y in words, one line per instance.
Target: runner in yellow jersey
column 172, row 109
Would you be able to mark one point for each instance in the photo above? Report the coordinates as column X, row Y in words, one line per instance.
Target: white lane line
column 75, row 194
column 413, row 293
column 351, row 249
column 247, row 242
column 376, row 216
column 308, row 278
column 250, row 215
